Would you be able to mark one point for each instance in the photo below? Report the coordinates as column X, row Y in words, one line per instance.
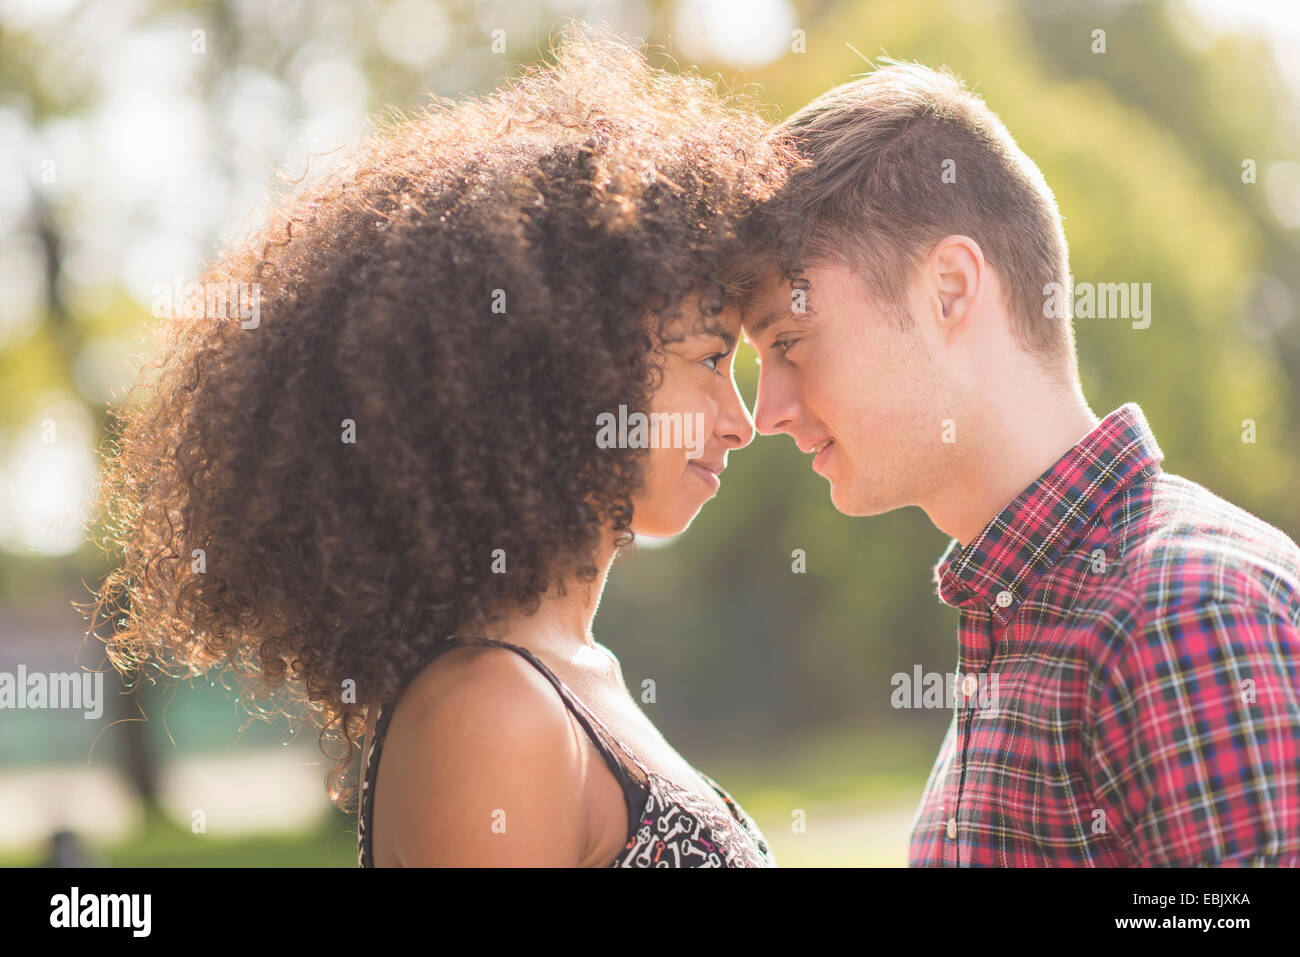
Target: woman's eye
column 711, row 362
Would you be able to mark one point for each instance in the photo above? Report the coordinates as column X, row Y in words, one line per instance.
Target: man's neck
column 1021, row 434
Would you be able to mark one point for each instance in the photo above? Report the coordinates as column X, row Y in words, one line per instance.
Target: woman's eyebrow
column 687, row 340
column 715, row 332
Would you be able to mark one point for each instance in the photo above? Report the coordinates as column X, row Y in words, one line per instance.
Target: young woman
column 392, row 495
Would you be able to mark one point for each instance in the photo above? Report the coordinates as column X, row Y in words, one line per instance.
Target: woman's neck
column 561, row 627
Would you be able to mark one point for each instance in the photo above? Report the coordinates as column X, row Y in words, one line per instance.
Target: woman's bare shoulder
column 489, row 765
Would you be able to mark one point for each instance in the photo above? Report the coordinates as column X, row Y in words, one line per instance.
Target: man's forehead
column 774, row 300
column 767, row 293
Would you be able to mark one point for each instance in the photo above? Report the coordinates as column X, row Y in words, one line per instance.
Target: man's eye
column 784, row 345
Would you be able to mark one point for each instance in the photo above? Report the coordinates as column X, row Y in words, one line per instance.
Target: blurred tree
column 1142, row 145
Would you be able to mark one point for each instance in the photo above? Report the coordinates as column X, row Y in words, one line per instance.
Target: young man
column 1143, row 632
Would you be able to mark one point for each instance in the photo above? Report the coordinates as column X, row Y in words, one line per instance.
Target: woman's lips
column 707, row 475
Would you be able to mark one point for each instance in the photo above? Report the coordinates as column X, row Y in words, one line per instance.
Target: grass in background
column 857, row 788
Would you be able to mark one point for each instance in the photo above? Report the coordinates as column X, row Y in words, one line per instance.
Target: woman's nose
column 735, row 425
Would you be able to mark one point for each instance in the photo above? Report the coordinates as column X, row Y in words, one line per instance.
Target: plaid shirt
column 1132, row 644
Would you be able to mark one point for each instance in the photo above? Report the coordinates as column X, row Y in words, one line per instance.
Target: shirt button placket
column 977, row 637
column 951, row 851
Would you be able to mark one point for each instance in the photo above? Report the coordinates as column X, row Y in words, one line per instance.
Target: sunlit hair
column 902, row 157
column 471, row 289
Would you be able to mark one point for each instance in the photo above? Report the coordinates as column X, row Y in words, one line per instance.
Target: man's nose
column 775, row 408
column 735, row 427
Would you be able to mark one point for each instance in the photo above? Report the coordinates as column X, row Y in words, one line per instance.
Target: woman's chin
column 668, row 526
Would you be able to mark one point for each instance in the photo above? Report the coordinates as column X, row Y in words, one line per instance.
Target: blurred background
column 136, row 134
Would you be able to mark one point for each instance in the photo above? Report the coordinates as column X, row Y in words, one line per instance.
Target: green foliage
column 1147, row 178
column 1143, row 147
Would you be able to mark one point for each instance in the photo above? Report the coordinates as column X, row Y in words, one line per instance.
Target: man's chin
column 854, row 503
column 843, row 503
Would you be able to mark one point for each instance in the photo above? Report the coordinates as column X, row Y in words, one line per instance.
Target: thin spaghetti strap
column 631, row 787
column 365, row 807
column 584, row 714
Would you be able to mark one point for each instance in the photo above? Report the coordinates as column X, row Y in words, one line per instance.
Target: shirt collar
column 997, row 569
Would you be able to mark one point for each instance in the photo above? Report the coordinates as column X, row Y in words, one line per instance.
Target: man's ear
column 955, row 268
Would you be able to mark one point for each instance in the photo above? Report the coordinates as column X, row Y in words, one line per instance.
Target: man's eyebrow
column 772, row 317
column 766, row 321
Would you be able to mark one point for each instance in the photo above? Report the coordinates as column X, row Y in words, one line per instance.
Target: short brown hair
column 874, row 193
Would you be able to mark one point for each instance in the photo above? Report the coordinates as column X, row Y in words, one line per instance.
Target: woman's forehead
column 696, row 322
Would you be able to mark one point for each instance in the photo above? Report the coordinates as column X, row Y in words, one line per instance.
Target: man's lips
column 812, row 448
column 824, row 450
column 819, row 449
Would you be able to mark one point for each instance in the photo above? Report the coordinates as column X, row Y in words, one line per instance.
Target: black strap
column 630, row 786
column 584, row 715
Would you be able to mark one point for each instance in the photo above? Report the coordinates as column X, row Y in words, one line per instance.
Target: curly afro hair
column 314, row 502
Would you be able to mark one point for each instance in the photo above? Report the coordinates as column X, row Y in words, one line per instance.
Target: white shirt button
column 952, row 828
column 969, row 684
column 1005, row 598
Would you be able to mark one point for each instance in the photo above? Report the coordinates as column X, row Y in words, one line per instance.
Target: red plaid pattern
column 1134, row 640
